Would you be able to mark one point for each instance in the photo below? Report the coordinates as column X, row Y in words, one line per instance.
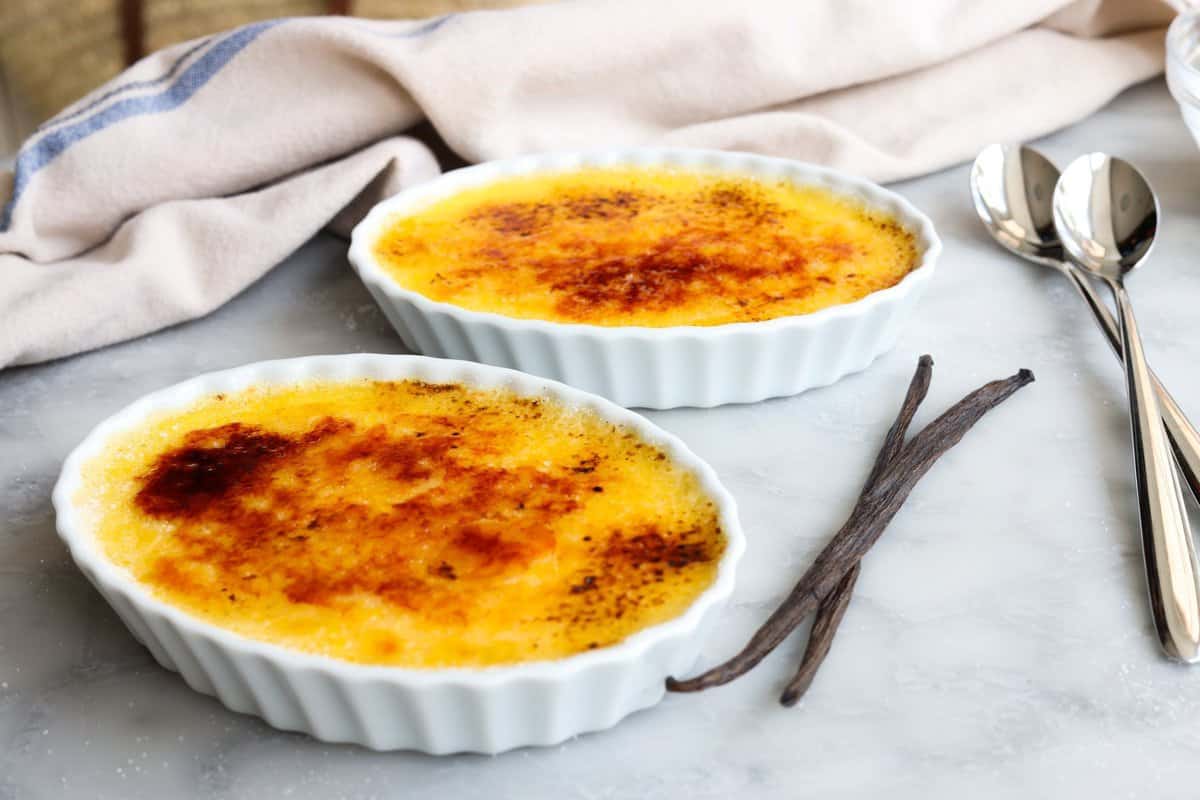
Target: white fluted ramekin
column 484, row 710
column 657, row 367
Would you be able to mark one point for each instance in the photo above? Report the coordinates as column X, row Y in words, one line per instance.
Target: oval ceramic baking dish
column 648, row 367
column 485, row 710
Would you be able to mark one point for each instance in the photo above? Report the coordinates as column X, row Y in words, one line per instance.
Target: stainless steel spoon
column 1106, row 215
column 1012, row 186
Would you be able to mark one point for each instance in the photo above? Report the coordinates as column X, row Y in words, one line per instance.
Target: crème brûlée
column 404, row 523
column 653, row 247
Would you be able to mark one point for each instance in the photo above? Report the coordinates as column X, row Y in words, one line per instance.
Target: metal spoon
column 1106, row 215
column 1012, row 186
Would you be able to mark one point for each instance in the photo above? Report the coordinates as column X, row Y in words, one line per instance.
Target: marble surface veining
column 998, row 645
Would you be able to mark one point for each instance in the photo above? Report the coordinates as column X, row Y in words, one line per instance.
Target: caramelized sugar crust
column 406, row 523
column 650, row 247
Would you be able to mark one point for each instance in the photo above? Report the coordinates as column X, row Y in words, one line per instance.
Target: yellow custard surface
column 651, row 247
column 404, row 523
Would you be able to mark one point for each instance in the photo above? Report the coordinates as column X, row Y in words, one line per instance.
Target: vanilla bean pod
column 876, row 507
column 820, row 638
column 833, row 608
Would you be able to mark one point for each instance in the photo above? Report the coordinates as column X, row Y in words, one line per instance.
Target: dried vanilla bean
column 833, row 607
column 820, row 638
column 876, row 507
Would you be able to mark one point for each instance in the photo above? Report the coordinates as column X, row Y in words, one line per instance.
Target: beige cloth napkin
column 163, row 194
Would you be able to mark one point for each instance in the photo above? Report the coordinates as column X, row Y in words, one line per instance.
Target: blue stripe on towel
column 54, row 143
column 411, row 32
column 429, row 26
column 124, row 88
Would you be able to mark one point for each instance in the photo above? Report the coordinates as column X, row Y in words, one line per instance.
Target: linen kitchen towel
column 163, row 194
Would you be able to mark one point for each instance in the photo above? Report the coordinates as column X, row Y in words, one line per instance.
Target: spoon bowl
column 1106, row 215
column 1012, row 187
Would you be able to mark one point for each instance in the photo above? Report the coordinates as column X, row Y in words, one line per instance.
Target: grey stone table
column 999, row 644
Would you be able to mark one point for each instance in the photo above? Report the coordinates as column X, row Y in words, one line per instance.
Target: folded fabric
column 163, row 194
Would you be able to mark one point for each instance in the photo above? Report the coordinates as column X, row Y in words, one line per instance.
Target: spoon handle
column 1172, row 570
column 1184, row 438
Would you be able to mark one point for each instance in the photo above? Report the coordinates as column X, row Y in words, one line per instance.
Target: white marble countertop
column 999, row 643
